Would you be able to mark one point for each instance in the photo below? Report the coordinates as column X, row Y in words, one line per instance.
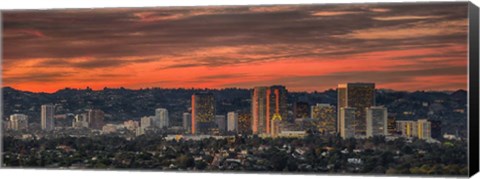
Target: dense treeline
column 311, row 154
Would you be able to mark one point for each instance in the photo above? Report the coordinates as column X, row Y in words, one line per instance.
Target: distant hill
column 120, row 104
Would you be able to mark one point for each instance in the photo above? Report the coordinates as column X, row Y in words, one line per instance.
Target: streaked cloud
column 396, row 18
column 221, row 46
column 416, row 30
column 334, row 13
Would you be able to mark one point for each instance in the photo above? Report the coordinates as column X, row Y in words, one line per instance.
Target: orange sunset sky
column 304, row 47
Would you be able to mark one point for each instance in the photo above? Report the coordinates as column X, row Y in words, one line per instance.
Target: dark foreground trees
column 312, row 154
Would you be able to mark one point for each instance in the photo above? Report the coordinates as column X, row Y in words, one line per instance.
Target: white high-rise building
column 47, row 113
column 377, row 121
column 18, row 122
column 80, row 121
column 161, row 118
column 347, row 122
column 145, row 122
column 232, row 122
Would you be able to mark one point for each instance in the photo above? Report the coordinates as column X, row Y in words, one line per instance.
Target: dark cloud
column 90, row 63
column 381, row 77
column 113, row 33
column 37, row 77
column 195, row 36
column 223, row 76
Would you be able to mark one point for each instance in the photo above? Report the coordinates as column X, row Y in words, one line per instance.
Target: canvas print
column 375, row 88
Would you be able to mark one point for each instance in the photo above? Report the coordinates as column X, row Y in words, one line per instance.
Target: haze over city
column 306, row 48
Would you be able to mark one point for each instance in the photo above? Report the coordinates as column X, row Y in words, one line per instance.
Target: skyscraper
column 18, row 122
column 245, row 123
column 187, row 121
column 161, row 118
column 326, row 115
column 267, row 101
column 347, row 120
column 47, row 113
column 376, row 121
column 203, row 113
column 259, row 110
column 232, row 122
column 278, row 101
column 358, row 96
column 95, row 118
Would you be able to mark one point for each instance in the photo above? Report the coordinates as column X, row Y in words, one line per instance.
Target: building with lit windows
column 244, row 123
column 267, row 101
column 407, row 128
column 18, row 122
column 424, row 129
column 346, row 122
column 203, row 113
column 358, row 96
column 377, row 121
column 301, row 109
column 232, row 122
column 325, row 116
column 47, row 120
column 391, row 125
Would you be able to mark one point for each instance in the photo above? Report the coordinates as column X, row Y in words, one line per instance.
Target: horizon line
column 225, row 88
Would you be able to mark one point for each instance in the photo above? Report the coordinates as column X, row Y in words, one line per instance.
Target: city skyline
column 306, row 48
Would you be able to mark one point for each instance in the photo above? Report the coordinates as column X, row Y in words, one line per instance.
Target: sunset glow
column 305, row 48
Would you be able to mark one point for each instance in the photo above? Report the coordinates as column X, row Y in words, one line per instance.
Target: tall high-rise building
column 203, row 113
column 161, row 118
column 18, row 122
column 278, row 101
column 301, row 109
column 244, row 123
column 326, row 115
column 47, row 114
column 187, row 121
column 391, row 125
column 267, row 101
column 95, row 118
column 377, row 121
column 259, row 110
column 346, row 121
column 358, row 96
column 232, row 122
column 221, row 122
